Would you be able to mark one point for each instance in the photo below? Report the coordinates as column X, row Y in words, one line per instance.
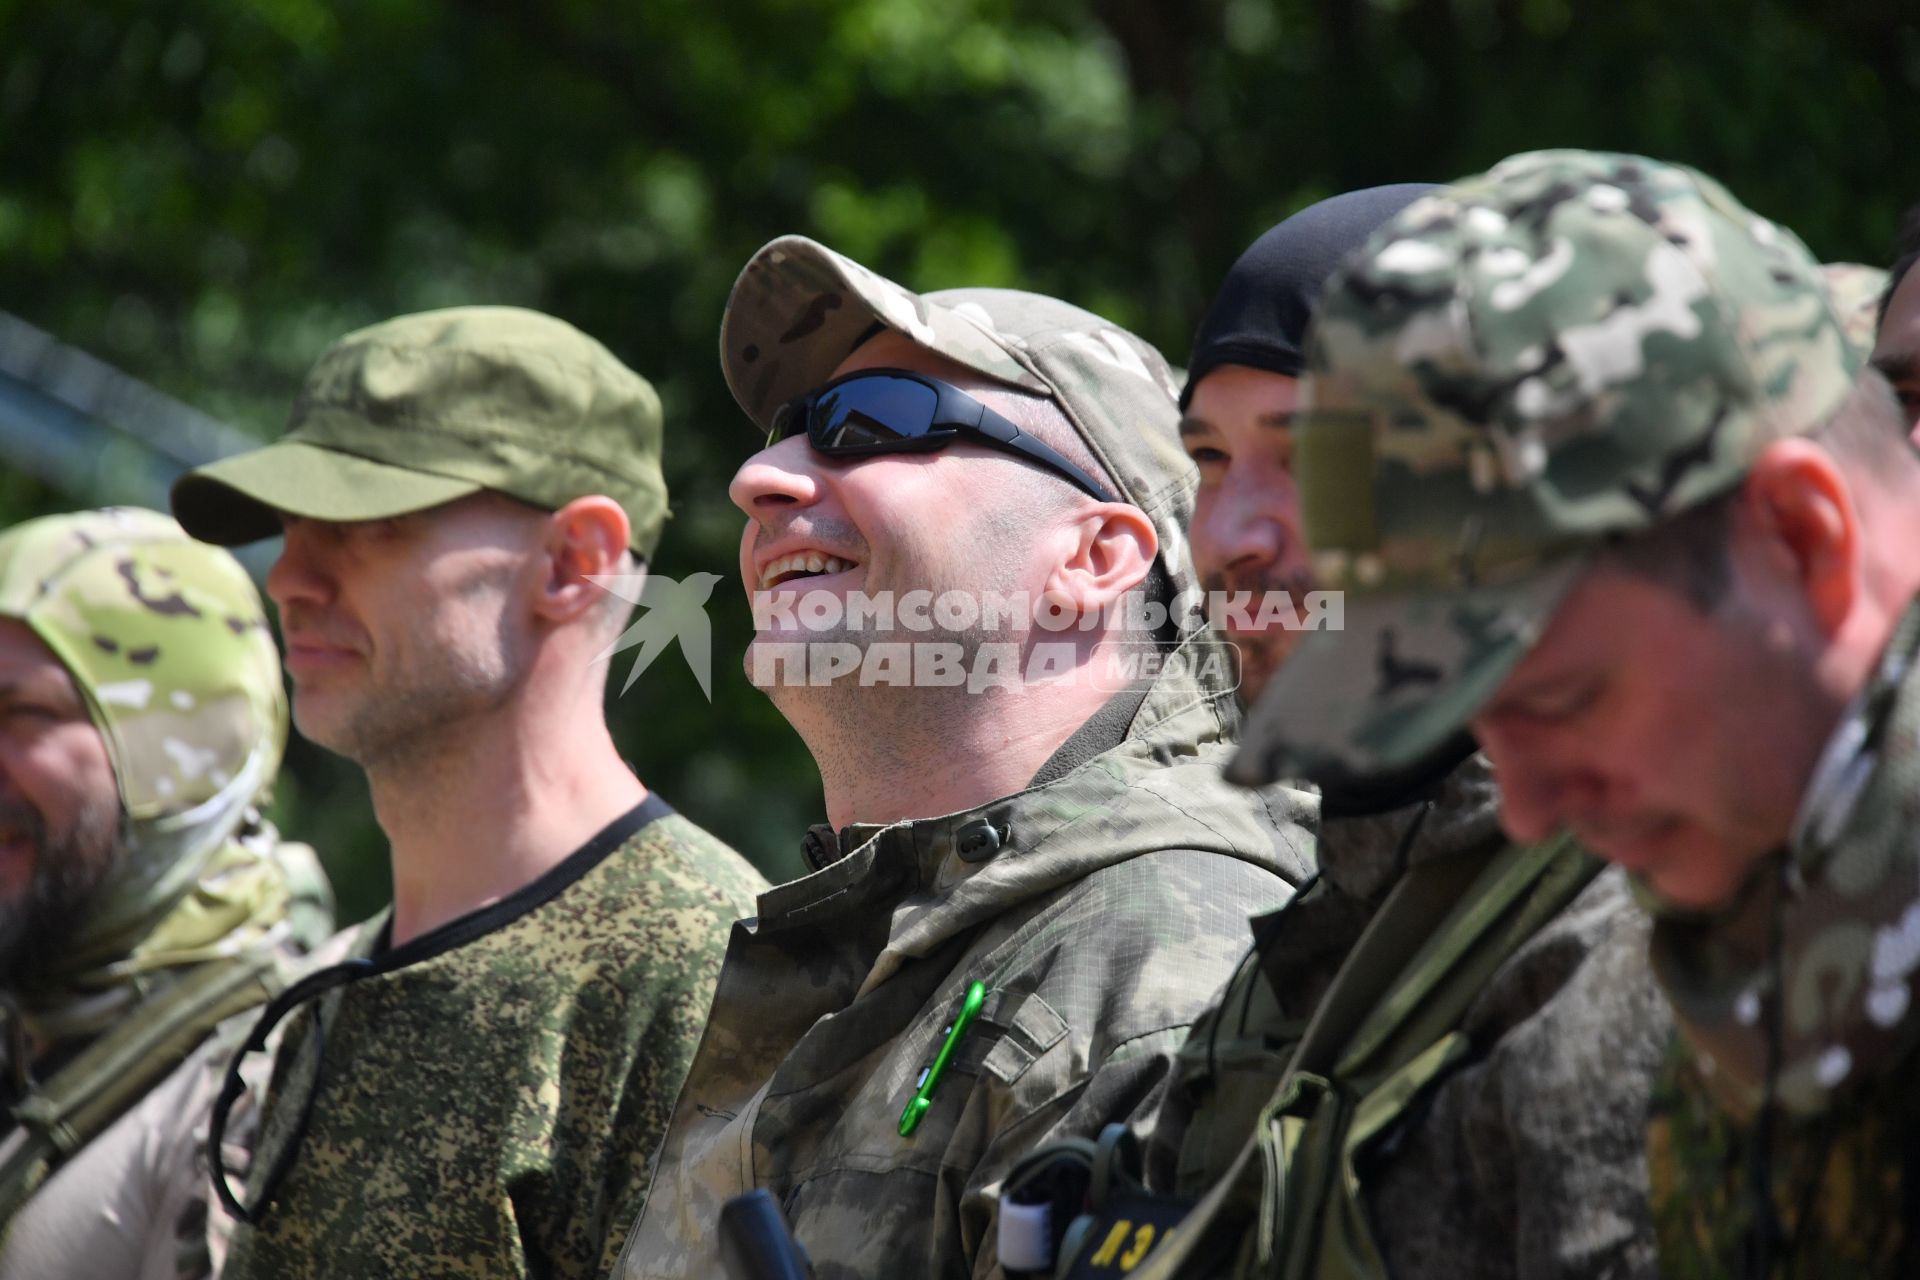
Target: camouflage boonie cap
column 799, row 309
column 1571, row 347
column 167, row 641
column 427, row 408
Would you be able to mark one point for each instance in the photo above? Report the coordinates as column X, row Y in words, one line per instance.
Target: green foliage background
column 205, row 193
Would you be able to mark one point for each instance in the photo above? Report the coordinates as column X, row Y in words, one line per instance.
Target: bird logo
column 671, row 610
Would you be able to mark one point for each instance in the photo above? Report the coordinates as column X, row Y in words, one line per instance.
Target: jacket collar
column 1187, row 705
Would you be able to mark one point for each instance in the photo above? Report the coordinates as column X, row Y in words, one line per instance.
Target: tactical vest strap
column 1386, row 1030
column 107, row 1077
column 1406, row 920
column 1521, row 888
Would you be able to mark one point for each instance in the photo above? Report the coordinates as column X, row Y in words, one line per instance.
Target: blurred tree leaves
column 206, row 193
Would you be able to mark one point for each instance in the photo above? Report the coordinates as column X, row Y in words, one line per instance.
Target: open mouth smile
column 802, row 564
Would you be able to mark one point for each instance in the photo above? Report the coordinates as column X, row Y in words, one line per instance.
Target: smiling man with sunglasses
column 1029, row 885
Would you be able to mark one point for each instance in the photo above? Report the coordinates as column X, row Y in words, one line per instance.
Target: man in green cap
column 143, row 897
column 1030, row 883
column 1605, row 482
column 476, row 1090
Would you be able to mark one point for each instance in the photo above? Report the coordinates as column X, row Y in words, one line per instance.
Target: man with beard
column 1459, row 1026
column 143, row 897
column 1029, row 885
column 1600, row 470
column 476, row 1090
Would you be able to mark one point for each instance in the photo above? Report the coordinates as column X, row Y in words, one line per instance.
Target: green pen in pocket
column 923, row 1096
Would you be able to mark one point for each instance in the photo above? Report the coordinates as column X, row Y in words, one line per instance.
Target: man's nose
column 1241, row 527
column 298, row 575
column 784, row 475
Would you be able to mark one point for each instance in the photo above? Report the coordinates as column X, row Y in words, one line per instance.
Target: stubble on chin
column 404, row 720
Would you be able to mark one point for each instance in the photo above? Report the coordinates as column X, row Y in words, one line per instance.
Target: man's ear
column 1804, row 509
column 1111, row 551
column 584, row 539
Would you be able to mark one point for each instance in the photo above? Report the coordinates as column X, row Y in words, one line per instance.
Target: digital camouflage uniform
column 206, row 911
column 1572, row 347
column 488, row 1094
column 1100, row 907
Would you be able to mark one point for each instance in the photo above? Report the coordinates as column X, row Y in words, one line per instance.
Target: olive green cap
column 421, row 410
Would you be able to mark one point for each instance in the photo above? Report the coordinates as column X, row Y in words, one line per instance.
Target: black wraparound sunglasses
column 898, row 411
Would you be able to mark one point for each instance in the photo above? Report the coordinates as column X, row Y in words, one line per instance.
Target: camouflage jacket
column 482, row 1100
column 1102, row 910
column 1523, row 1157
column 1798, row 1006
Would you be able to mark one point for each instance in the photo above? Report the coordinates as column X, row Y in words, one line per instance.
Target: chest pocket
column 977, row 1095
column 1012, row 1031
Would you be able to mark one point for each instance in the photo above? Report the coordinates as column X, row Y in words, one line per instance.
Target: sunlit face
column 1896, row 352
column 398, row 628
column 1671, row 741
column 964, row 519
column 59, row 802
column 1246, row 520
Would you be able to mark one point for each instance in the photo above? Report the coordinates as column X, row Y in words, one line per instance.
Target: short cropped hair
column 1690, row 553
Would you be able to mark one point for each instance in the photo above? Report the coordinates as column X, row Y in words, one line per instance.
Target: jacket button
column 979, row 840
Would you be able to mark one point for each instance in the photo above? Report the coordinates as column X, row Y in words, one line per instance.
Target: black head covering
column 1260, row 315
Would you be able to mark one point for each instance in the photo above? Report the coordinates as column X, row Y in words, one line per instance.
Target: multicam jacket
column 1518, row 1152
column 1102, row 908
column 1797, row 1004
column 482, row 1100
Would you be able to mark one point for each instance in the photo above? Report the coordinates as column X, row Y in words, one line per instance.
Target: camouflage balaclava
column 1573, row 347
column 166, row 640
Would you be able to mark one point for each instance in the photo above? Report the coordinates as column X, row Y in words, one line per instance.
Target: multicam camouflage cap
column 1572, row 347
column 423, row 409
column 166, row 639
column 799, row 309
